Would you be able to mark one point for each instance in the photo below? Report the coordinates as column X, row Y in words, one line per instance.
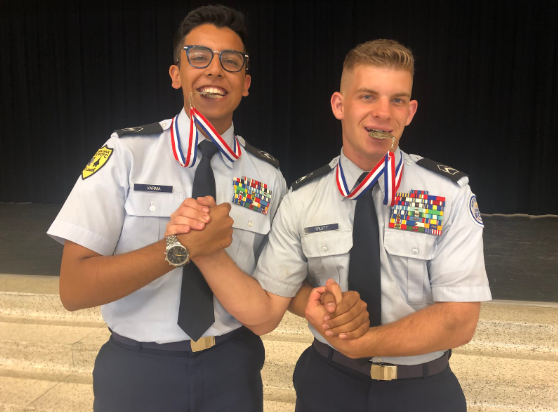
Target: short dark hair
column 220, row 16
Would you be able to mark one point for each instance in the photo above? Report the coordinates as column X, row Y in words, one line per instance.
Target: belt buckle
column 202, row 343
column 383, row 372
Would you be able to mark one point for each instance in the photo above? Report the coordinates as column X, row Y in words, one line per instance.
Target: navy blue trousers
column 226, row 377
column 323, row 386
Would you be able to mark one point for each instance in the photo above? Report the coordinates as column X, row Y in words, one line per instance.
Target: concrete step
column 516, row 330
column 20, row 393
column 33, row 345
column 493, row 384
column 45, row 307
column 511, row 364
column 504, row 329
column 53, row 351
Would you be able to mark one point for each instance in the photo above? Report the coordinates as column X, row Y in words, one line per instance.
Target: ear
column 337, row 105
column 413, row 106
column 247, row 83
column 174, row 72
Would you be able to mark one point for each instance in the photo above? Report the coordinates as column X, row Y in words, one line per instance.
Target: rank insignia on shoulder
column 251, row 194
column 474, row 211
column 147, row 129
column 97, row 162
column 447, row 171
column 417, row 211
column 260, row 154
column 310, row 176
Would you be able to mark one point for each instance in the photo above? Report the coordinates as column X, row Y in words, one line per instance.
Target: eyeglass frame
column 245, row 57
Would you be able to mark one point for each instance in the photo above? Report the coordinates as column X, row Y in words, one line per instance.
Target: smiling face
column 226, row 88
column 372, row 98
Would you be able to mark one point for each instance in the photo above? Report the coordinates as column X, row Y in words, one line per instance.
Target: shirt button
column 324, row 248
column 250, row 224
column 152, row 208
column 408, row 162
column 415, row 251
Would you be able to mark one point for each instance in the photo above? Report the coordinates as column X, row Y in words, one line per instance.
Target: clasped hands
column 205, row 228
column 202, row 226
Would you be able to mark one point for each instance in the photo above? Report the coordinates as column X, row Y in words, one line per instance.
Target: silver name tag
column 323, row 228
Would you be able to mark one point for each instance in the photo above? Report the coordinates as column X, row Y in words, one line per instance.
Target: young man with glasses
column 173, row 347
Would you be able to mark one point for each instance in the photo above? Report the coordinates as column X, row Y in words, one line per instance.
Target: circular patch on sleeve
column 474, row 211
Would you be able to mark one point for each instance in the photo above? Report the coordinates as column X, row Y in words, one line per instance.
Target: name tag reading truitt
column 323, row 228
column 152, row 188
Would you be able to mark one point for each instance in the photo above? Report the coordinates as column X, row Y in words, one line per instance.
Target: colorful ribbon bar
column 417, row 211
column 251, row 194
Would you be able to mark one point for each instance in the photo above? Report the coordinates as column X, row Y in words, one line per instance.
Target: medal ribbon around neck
column 385, row 167
column 196, row 118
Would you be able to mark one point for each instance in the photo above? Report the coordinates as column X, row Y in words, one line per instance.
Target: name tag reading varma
column 138, row 187
column 322, row 228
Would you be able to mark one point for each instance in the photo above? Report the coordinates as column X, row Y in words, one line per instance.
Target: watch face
column 177, row 255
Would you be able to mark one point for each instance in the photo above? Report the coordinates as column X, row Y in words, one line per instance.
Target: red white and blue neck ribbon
column 197, row 119
column 385, row 167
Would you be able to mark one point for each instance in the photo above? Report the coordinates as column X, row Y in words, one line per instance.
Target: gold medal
column 380, row 134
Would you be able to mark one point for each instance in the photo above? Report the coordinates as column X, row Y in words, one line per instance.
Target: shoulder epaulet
column 446, row 171
column 147, row 129
column 311, row 176
column 260, row 154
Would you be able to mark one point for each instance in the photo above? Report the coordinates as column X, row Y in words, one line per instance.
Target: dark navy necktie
column 364, row 264
column 195, row 314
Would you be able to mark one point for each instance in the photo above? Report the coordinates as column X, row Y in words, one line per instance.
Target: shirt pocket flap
column 320, row 244
column 246, row 219
column 409, row 244
column 152, row 204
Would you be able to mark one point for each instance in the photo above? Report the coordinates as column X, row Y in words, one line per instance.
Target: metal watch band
column 171, row 241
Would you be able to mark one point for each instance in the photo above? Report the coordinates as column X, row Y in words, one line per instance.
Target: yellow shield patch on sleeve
column 97, row 161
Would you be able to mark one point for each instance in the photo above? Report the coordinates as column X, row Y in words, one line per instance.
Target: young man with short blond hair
column 403, row 231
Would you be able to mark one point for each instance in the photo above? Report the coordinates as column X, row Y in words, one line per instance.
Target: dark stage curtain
column 486, row 81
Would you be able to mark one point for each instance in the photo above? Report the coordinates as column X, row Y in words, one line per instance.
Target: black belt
column 383, row 371
column 184, row 345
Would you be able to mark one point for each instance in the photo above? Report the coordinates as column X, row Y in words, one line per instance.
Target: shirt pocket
column 249, row 231
column 324, row 252
column 410, row 254
column 148, row 214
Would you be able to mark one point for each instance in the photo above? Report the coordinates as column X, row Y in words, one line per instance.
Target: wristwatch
column 176, row 253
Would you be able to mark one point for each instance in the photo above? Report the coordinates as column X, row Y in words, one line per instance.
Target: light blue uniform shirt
column 105, row 214
column 417, row 269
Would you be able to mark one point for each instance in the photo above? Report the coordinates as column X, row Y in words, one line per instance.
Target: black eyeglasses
column 231, row 60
